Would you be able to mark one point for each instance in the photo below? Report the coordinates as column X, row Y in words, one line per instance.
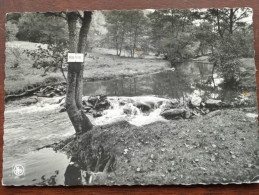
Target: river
column 28, row 128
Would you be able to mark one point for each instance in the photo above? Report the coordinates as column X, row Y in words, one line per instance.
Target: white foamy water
column 130, row 112
column 122, row 108
column 44, row 104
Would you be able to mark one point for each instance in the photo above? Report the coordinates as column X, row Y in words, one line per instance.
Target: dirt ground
column 221, row 147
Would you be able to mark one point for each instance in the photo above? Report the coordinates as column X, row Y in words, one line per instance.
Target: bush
column 51, row 59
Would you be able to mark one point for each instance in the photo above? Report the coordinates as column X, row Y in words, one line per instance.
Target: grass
column 100, row 64
column 23, row 77
column 104, row 64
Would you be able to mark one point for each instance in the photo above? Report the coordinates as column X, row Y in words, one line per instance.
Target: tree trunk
column 231, row 21
column 218, row 24
column 79, row 120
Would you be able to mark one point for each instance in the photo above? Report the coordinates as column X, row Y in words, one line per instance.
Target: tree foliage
column 126, row 30
column 52, row 58
column 40, row 28
column 172, row 33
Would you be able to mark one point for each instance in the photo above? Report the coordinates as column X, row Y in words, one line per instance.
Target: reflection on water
column 181, row 83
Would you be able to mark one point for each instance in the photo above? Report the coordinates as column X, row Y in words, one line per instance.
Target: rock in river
column 143, row 106
column 173, row 113
column 213, row 103
column 196, row 101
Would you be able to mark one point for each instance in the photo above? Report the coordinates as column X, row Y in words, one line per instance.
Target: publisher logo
column 18, row 170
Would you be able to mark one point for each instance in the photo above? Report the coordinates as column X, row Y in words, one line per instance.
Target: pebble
column 214, row 146
column 125, row 151
column 138, row 169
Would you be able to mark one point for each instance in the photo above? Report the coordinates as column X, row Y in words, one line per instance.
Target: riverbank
column 132, row 138
column 221, row 150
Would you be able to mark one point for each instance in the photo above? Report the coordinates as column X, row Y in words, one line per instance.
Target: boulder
column 97, row 102
column 188, row 114
column 213, row 103
column 92, row 100
column 170, row 104
column 97, row 114
column 150, row 103
column 124, row 101
column 102, row 105
column 129, row 109
column 62, row 109
column 196, row 101
column 142, row 106
column 173, row 113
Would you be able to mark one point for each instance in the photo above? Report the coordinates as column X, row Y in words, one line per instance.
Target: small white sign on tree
column 75, row 57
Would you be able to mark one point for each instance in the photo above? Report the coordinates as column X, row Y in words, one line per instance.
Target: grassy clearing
column 19, row 74
column 104, row 64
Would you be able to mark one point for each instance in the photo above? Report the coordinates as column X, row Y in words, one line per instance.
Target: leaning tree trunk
column 79, row 120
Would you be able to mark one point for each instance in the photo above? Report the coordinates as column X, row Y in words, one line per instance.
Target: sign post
column 74, row 61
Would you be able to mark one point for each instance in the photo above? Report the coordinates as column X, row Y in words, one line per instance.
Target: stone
column 213, row 103
column 213, row 114
column 97, row 114
column 188, row 114
column 92, row 100
column 150, row 103
column 52, row 94
column 97, row 102
column 170, row 104
column 62, row 109
column 102, row 105
column 142, row 106
column 173, row 113
column 196, row 101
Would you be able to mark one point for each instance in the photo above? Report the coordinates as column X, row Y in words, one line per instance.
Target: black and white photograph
column 130, row 97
